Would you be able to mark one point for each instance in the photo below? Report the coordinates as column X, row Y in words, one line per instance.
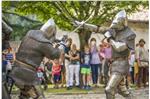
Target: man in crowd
column 142, row 60
column 67, row 62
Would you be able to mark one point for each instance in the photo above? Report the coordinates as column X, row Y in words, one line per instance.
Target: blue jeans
column 56, row 78
column 94, row 68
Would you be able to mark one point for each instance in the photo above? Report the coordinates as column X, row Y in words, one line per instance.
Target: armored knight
column 122, row 38
column 36, row 45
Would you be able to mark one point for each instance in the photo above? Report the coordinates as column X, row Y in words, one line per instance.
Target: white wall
column 142, row 31
column 73, row 36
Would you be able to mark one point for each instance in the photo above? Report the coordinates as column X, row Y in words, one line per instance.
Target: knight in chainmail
column 121, row 38
column 36, row 45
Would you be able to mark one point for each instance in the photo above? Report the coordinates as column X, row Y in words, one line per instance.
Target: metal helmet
column 120, row 21
column 49, row 29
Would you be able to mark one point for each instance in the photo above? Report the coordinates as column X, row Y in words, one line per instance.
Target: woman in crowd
column 106, row 53
column 67, row 48
column 74, row 66
column 95, row 61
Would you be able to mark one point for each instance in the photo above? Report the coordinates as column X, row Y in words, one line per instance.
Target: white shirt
column 132, row 60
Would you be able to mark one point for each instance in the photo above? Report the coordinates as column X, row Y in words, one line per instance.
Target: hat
column 142, row 40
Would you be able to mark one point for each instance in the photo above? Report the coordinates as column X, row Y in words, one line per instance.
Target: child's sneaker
column 88, row 87
column 84, row 87
column 56, row 87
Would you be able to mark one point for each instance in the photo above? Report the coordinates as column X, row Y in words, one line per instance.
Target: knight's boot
column 109, row 95
column 40, row 92
column 28, row 92
column 130, row 96
column 127, row 95
column 122, row 90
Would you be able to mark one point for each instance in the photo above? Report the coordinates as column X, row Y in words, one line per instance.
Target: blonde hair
column 73, row 46
column 86, row 46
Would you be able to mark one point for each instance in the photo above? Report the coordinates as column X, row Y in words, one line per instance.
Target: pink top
column 102, row 52
column 56, row 70
column 108, row 52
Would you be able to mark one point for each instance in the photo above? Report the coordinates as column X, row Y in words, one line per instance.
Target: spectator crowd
column 86, row 68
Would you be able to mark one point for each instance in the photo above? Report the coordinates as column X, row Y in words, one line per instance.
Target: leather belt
column 26, row 65
column 120, row 58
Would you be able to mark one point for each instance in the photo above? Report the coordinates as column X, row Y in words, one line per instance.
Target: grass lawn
column 74, row 90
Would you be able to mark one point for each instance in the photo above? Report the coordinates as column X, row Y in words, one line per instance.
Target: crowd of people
column 86, row 68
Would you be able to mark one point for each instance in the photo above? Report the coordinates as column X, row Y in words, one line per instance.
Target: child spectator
column 10, row 58
column 74, row 66
column 48, row 68
column 136, row 70
column 42, row 68
column 136, row 66
column 4, row 67
column 131, row 63
column 40, row 75
column 9, row 66
column 56, row 73
column 9, row 54
column 86, row 68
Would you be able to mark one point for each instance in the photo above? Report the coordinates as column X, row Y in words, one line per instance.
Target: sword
column 82, row 23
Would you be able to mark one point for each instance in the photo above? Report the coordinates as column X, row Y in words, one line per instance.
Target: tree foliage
column 65, row 12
